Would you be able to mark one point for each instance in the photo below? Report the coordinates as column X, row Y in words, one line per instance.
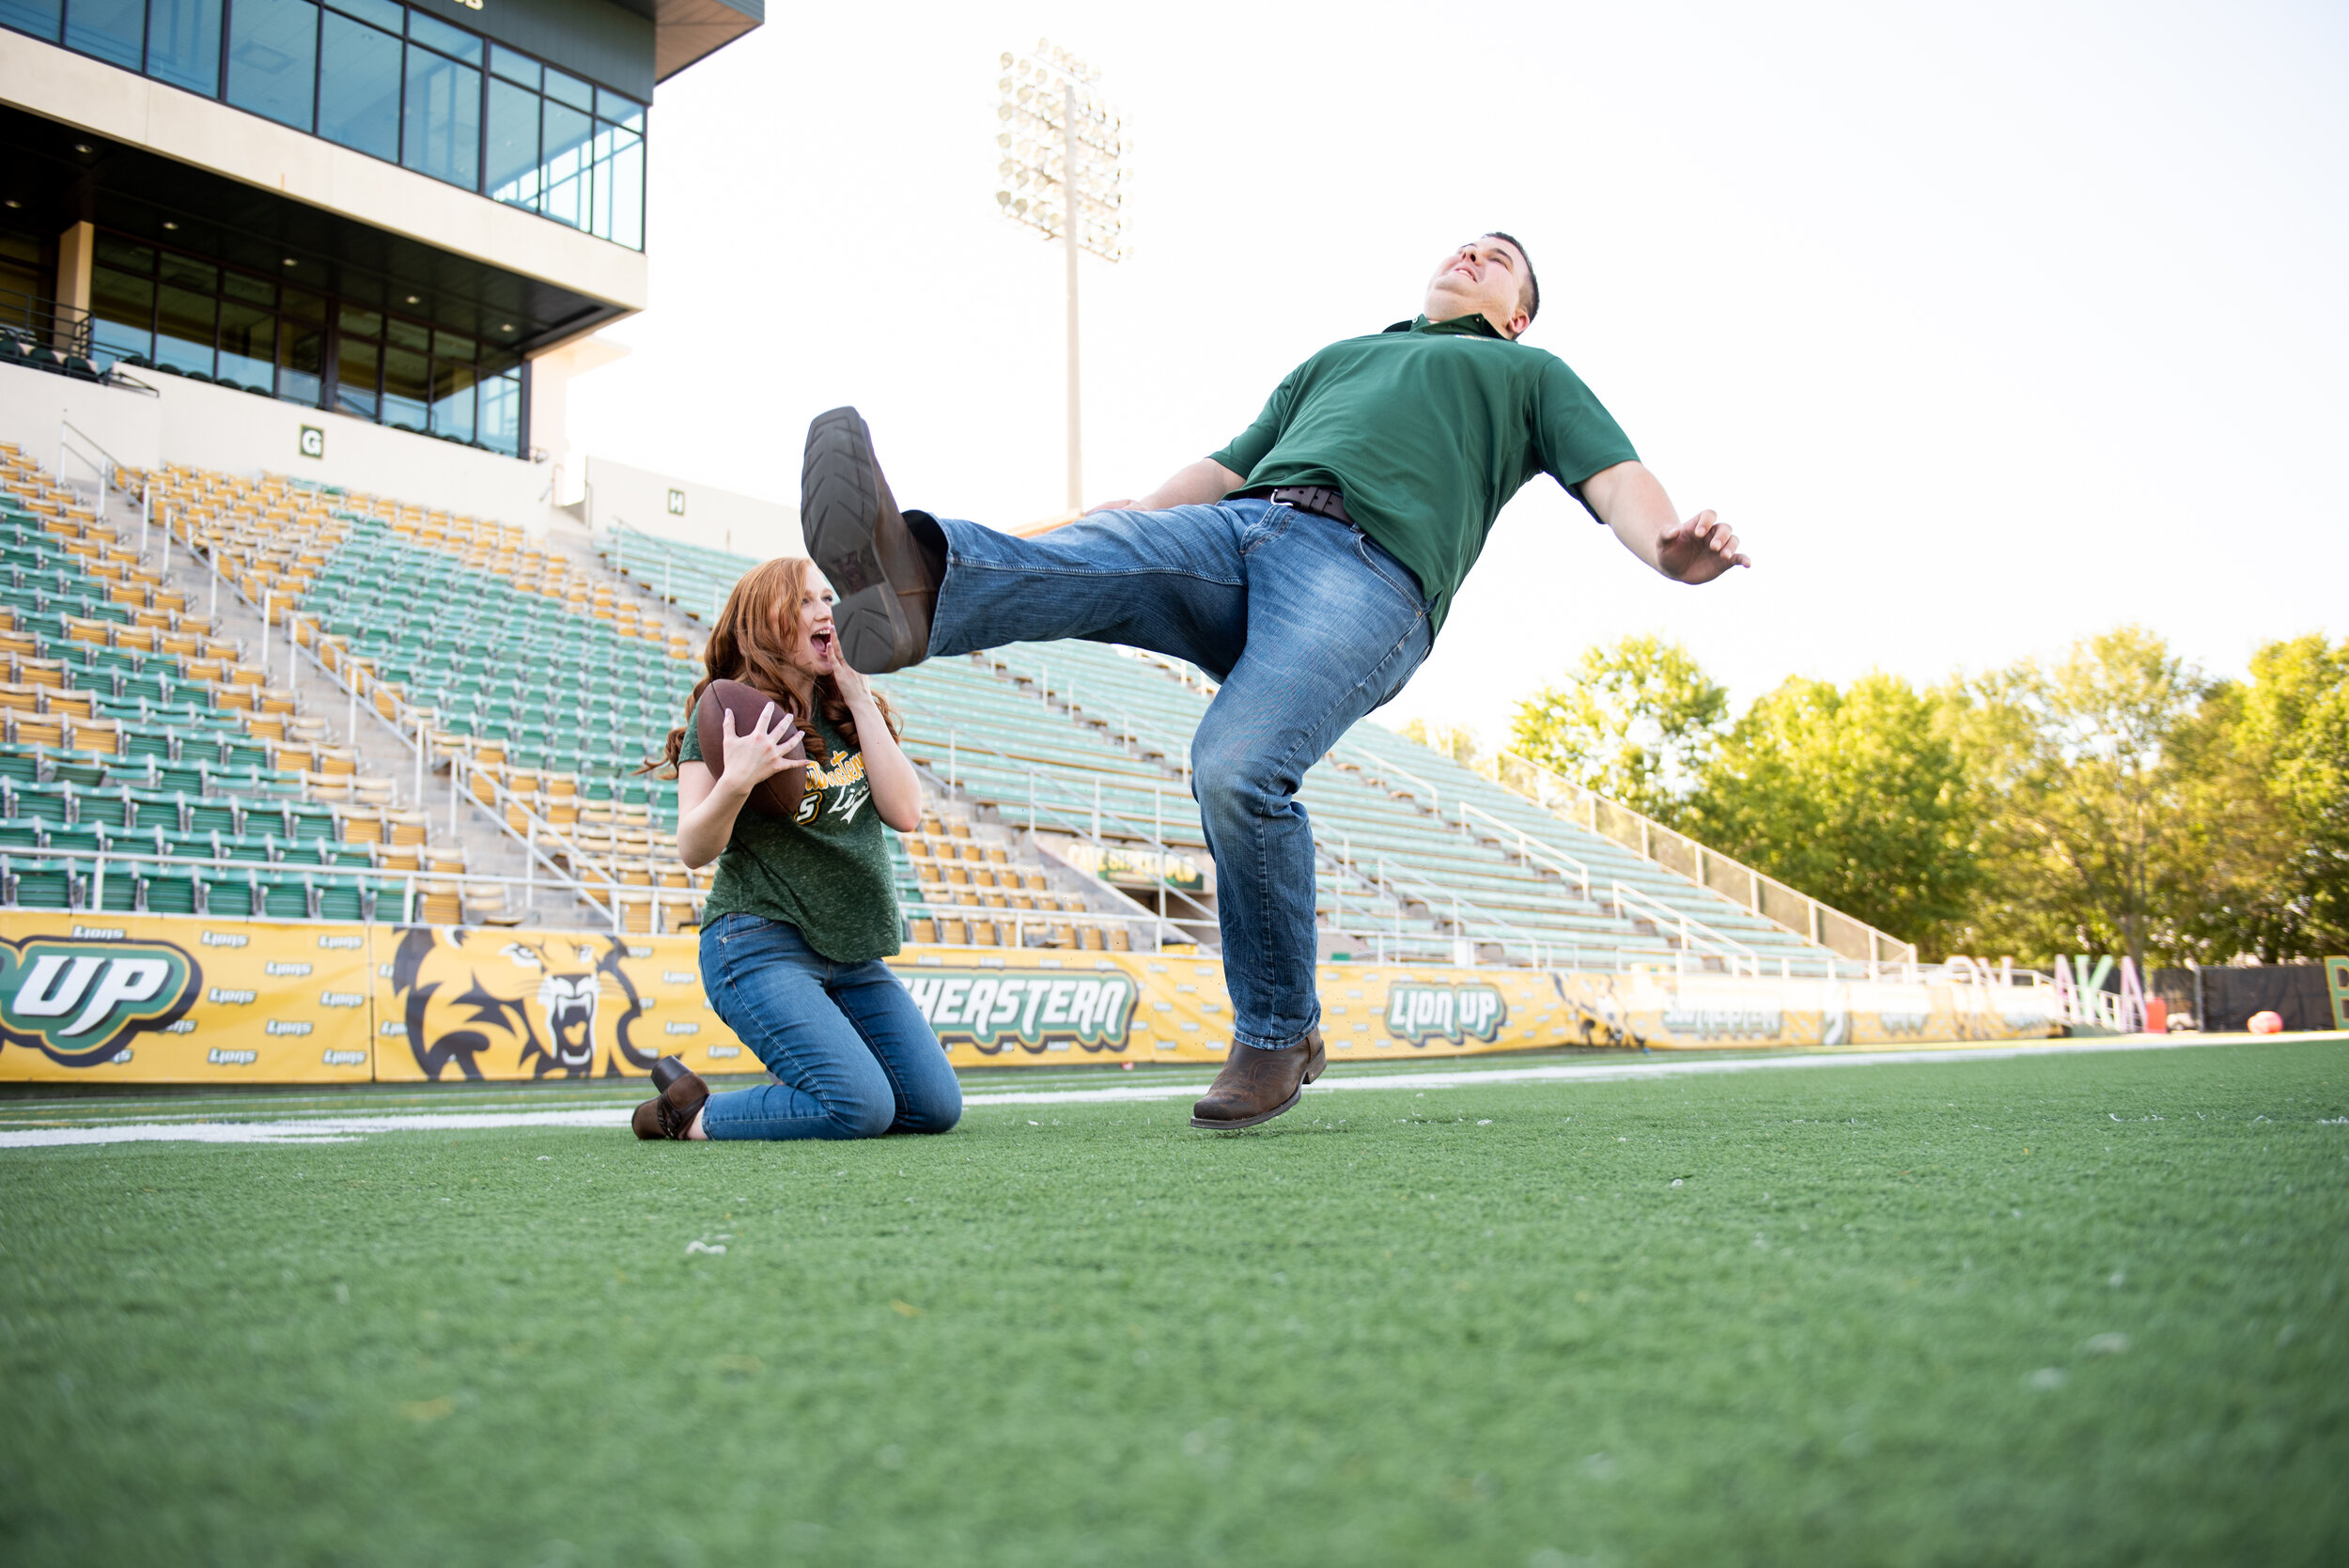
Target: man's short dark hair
column 1532, row 297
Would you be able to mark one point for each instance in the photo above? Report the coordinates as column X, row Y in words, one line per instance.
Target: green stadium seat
column 171, row 891
column 285, row 897
column 37, row 884
column 230, row 896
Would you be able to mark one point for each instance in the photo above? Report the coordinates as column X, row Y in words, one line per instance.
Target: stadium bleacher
column 694, row 578
column 527, row 672
column 148, row 763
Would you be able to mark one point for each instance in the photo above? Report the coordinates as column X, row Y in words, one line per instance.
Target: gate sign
column 1453, row 1012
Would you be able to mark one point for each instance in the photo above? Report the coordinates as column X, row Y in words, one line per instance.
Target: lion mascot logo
column 1599, row 1011
column 557, row 1002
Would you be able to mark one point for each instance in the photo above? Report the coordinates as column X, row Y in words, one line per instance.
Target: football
column 778, row 795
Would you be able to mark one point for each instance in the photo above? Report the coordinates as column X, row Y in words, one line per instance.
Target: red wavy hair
column 748, row 642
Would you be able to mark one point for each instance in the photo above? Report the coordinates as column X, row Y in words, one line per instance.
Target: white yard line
column 1609, row 1071
column 317, row 1130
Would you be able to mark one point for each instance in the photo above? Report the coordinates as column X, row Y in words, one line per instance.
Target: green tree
column 1858, row 795
column 2090, row 771
column 2273, row 798
column 1456, row 741
column 1635, row 721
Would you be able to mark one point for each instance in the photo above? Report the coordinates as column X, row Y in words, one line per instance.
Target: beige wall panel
column 212, row 428
column 720, row 519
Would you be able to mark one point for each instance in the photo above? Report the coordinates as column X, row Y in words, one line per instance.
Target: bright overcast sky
column 1988, row 327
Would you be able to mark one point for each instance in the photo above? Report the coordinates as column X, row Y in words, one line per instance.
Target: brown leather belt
column 1319, row 499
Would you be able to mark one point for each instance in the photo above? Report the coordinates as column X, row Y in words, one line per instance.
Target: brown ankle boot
column 671, row 1113
column 1257, row 1085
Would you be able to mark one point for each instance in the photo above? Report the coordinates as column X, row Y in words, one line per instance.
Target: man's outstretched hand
column 1627, row 499
column 1698, row 551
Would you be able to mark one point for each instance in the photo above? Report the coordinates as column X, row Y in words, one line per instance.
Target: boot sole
column 1258, row 1119
column 839, row 516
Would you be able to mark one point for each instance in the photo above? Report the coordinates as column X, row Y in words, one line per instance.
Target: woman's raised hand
column 854, row 688
column 774, row 744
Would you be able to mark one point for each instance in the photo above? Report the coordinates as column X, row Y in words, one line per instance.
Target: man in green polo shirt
column 1307, row 566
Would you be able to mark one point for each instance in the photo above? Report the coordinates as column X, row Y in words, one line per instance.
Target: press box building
column 357, row 239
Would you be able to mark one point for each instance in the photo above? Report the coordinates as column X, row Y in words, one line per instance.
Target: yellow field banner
column 143, row 999
column 1663, row 1011
column 455, row 1003
column 177, row 998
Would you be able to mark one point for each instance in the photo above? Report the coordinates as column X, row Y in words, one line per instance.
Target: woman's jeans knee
column 851, row 1053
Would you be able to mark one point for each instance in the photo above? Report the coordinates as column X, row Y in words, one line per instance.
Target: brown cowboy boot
column 1257, row 1085
column 887, row 580
column 671, row 1113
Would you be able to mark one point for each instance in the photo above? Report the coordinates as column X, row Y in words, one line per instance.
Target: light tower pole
column 1063, row 173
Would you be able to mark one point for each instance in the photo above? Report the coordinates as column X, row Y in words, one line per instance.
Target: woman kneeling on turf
column 804, row 908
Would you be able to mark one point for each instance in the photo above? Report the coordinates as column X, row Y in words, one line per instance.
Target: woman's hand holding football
column 774, row 744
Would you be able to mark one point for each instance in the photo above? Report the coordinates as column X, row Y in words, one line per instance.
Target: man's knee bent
column 1231, row 786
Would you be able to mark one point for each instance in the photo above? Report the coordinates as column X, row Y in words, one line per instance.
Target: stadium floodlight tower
column 1063, row 172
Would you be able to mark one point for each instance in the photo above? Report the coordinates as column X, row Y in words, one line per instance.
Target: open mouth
column 574, row 1025
column 571, row 1006
column 821, row 643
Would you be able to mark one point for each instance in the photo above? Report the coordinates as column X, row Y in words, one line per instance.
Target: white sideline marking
column 1632, row 1067
column 343, row 1129
column 317, row 1130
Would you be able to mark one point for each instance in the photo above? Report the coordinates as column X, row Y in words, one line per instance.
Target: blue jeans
column 1307, row 624
column 854, row 1057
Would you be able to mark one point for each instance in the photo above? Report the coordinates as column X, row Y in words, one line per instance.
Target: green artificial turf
column 2071, row 1310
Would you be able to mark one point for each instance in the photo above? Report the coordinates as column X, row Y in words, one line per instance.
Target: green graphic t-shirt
column 827, row 873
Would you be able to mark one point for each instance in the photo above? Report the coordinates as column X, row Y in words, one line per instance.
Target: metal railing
column 1530, row 851
column 1538, row 949
column 1176, row 750
column 1086, row 826
column 1023, row 922
column 102, row 463
column 35, row 318
column 1631, row 903
column 1721, row 875
column 86, row 893
column 411, row 724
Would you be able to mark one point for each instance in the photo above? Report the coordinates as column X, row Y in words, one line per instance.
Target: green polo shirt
column 826, row 872
column 1428, row 429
